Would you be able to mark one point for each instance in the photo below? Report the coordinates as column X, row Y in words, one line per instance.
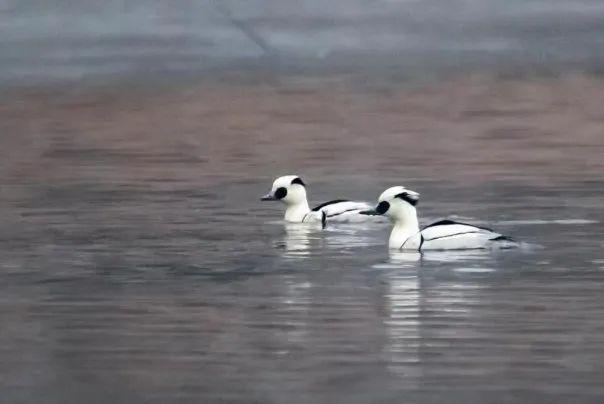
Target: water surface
column 138, row 264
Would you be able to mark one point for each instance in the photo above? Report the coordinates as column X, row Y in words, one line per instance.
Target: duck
column 291, row 190
column 399, row 205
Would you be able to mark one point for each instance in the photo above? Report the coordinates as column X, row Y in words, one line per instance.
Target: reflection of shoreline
column 90, row 127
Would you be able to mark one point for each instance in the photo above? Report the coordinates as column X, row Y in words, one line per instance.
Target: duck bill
column 370, row 212
column 268, row 197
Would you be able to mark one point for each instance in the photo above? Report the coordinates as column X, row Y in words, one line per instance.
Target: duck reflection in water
column 405, row 258
column 297, row 240
column 402, row 321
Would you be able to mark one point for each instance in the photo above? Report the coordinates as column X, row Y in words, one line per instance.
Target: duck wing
column 340, row 207
column 451, row 235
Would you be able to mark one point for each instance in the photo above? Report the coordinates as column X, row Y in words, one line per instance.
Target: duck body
column 398, row 204
column 291, row 190
column 339, row 210
column 451, row 235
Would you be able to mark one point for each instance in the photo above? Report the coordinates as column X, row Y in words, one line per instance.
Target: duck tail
column 503, row 238
column 505, row 242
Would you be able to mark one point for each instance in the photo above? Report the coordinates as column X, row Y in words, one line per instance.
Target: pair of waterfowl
column 397, row 204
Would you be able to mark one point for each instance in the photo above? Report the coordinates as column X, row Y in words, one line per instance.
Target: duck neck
column 296, row 212
column 403, row 231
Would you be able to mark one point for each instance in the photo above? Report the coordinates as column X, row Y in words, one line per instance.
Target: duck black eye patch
column 382, row 207
column 280, row 193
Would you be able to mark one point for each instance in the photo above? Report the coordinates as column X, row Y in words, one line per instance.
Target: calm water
column 138, row 264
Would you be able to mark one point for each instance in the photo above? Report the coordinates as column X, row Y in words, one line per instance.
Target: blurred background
column 63, row 40
column 137, row 264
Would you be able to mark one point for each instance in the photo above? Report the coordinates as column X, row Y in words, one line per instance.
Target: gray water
column 42, row 41
column 137, row 295
column 138, row 264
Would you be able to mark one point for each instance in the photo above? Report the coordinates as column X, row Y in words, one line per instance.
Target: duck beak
column 268, row 197
column 370, row 212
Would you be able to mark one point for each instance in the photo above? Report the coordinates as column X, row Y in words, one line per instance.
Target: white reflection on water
column 297, row 239
column 304, row 239
column 427, row 315
column 296, row 303
column 402, row 323
column 409, row 323
column 456, row 255
column 404, row 259
column 409, row 259
column 476, row 270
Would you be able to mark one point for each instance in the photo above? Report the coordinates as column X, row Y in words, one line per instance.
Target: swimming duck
column 291, row 190
column 398, row 204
